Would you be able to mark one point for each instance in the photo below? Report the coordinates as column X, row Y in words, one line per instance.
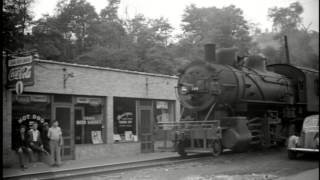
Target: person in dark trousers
column 56, row 141
column 21, row 145
column 44, row 136
column 35, row 141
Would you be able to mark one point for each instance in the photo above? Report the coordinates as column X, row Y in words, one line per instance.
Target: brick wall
column 101, row 82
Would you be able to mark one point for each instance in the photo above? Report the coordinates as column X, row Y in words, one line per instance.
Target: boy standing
column 56, row 141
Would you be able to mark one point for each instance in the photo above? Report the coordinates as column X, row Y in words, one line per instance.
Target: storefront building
column 102, row 112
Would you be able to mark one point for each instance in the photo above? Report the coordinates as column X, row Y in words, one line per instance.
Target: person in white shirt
column 56, row 141
column 35, row 141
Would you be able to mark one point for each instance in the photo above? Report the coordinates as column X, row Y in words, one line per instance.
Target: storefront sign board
column 20, row 69
column 162, row 105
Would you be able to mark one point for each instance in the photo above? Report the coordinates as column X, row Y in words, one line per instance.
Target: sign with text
column 125, row 120
column 162, row 105
column 87, row 100
column 20, row 69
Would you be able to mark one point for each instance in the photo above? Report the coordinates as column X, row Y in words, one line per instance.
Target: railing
column 189, row 125
column 166, row 131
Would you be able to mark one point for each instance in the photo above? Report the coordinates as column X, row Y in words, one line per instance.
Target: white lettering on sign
column 39, row 98
column 19, row 87
column 82, row 100
column 162, row 105
column 19, row 73
column 23, row 99
column 28, row 116
column 19, row 61
column 91, row 101
column 81, row 122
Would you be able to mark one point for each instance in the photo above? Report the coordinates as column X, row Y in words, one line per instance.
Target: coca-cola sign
column 20, row 69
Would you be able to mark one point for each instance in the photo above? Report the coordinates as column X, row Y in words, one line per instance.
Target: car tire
column 292, row 154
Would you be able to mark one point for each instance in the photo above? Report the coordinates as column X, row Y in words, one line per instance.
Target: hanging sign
column 20, row 69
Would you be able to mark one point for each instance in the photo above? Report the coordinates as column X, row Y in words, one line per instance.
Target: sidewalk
column 39, row 167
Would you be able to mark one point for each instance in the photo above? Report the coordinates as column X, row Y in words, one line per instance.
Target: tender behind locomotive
column 256, row 104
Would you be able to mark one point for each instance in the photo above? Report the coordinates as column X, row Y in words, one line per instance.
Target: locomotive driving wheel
column 216, row 147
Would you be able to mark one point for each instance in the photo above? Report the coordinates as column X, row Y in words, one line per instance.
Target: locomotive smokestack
column 286, row 49
column 210, row 53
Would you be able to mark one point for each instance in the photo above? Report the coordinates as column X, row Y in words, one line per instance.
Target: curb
column 106, row 168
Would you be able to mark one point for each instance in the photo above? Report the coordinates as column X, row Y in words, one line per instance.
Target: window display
column 88, row 120
column 124, row 119
column 164, row 112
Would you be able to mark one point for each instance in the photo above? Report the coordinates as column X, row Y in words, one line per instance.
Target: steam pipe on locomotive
column 255, row 104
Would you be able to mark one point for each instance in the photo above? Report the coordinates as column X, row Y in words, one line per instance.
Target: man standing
column 56, row 141
column 35, row 140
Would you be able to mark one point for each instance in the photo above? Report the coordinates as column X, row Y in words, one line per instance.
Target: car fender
column 293, row 141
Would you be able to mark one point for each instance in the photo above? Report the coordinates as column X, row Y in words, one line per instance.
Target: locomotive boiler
column 256, row 105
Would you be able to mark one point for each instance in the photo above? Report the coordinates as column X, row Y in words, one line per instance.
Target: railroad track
column 106, row 169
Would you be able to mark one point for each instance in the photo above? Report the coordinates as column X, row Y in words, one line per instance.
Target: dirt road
column 264, row 165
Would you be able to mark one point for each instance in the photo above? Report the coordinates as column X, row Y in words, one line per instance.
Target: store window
column 30, row 108
column 88, row 116
column 124, row 119
column 164, row 113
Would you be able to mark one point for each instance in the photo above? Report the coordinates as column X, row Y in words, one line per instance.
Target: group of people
column 48, row 142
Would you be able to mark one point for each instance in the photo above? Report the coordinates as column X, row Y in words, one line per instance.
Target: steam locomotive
column 257, row 105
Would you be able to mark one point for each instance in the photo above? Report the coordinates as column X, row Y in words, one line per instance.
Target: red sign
column 20, row 69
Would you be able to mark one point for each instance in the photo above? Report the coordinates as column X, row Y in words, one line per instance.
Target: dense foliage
column 77, row 33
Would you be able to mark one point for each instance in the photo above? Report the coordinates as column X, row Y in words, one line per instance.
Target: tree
column 286, row 19
column 110, row 12
column 226, row 27
column 162, row 30
column 302, row 47
column 146, row 34
column 108, row 31
column 15, row 18
column 49, row 41
column 75, row 18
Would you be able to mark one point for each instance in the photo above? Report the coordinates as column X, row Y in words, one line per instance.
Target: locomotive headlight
column 184, row 90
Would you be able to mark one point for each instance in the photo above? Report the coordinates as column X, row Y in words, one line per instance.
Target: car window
column 311, row 123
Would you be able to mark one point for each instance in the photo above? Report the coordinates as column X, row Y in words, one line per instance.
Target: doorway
column 63, row 114
column 145, row 117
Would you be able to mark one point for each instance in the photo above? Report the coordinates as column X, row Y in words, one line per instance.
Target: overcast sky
column 255, row 11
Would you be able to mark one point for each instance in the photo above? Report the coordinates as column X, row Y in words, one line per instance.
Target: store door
column 146, row 130
column 63, row 114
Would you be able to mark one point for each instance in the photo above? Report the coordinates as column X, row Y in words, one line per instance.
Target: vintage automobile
column 308, row 142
